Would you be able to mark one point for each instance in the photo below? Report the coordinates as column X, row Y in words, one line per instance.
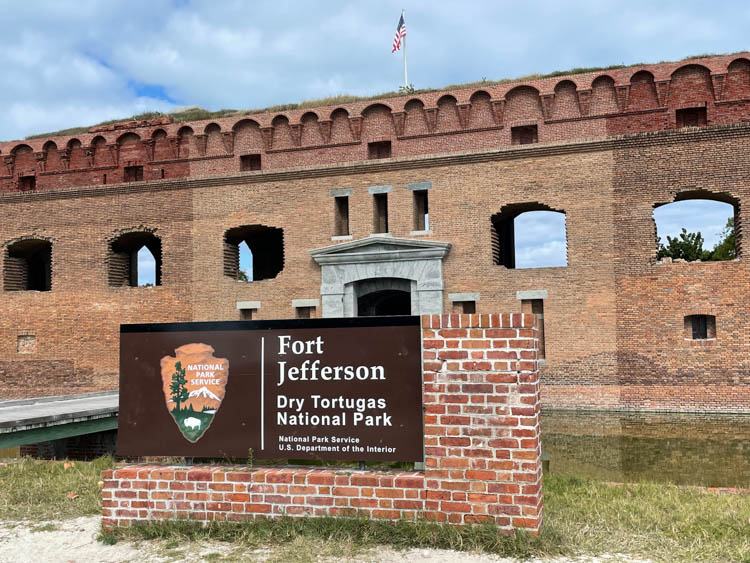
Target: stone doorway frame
column 377, row 257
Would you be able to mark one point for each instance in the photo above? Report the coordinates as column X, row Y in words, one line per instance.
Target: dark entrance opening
column 384, row 302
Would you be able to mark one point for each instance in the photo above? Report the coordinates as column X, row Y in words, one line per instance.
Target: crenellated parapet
column 701, row 91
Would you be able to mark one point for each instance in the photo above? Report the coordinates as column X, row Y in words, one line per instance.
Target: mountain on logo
column 204, row 393
column 194, row 384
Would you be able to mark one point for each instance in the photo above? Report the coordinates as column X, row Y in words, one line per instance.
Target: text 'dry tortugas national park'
column 386, row 315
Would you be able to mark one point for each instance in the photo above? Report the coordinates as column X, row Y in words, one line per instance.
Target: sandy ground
column 74, row 541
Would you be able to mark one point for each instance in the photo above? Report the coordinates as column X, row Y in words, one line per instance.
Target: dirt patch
column 74, row 541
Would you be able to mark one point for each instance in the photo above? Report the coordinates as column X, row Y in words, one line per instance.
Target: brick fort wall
column 608, row 150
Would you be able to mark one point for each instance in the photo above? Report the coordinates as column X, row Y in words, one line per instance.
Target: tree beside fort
column 726, row 249
column 689, row 246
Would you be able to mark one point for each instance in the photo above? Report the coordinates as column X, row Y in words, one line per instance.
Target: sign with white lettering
column 342, row 389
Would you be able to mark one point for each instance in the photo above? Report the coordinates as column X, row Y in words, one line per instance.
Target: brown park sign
column 342, row 389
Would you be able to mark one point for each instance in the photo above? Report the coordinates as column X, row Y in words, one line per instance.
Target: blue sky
column 66, row 63
column 69, row 63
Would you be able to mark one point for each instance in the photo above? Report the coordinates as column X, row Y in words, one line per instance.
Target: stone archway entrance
column 383, row 297
column 352, row 270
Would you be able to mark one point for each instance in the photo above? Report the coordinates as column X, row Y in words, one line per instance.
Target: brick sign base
column 482, row 450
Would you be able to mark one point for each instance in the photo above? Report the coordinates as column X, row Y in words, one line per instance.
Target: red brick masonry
column 482, row 450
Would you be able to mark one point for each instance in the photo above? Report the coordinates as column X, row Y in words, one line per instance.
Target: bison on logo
column 194, row 383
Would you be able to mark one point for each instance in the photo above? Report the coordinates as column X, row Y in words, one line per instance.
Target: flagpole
column 406, row 81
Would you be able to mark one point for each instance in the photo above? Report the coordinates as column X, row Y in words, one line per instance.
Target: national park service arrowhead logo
column 194, row 383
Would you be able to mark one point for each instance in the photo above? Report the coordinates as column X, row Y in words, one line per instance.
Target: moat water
column 684, row 449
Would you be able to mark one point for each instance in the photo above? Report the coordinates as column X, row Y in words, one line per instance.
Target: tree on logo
column 179, row 392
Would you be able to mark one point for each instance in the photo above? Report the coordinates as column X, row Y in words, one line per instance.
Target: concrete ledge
column 341, row 192
column 305, row 302
column 53, row 398
column 419, row 186
column 30, row 421
column 248, row 305
column 458, row 297
column 379, row 189
column 531, row 294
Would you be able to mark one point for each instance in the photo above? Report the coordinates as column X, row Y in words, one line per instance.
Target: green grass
column 291, row 538
column 38, row 490
column 198, row 114
column 662, row 522
column 582, row 517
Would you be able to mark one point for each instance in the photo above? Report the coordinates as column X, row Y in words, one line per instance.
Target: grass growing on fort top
column 197, row 113
column 582, row 517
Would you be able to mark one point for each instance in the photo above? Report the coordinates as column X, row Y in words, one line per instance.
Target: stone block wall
column 482, row 450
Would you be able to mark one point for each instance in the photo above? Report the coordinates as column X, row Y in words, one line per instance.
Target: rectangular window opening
column 249, row 162
column 380, row 207
column 133, row 173
column 246, row 314
column 341, row 221
column 464, row 307
column 524, row 135
column 104, row 179
column 379, row 149
column 28, row 266
column 27, row 183
column 421, row 211
column 700, row 327
column 536, row 307
column 691, row 117
column 304, row 312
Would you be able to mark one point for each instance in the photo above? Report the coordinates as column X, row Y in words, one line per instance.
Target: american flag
column 400, row 32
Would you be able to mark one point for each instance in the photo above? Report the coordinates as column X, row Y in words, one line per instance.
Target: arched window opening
column 530, row 235
column 246, row 263
column 135, row 260
column 264, row 256
column 28, row 266
column 146, row 270
column 698, row 226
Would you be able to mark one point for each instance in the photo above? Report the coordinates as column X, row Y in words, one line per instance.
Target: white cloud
column 146, row 267
column 246, row 260
column 704, row 216
column 102, row 56
column 540, row 239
